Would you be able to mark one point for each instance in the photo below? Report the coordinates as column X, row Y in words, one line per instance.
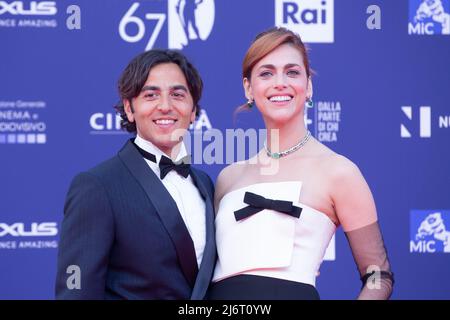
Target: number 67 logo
column 129, row 18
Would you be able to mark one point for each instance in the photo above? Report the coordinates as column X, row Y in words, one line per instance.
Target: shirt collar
column 151, row 148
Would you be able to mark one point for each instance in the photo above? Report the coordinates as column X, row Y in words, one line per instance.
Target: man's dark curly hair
column 136, row 73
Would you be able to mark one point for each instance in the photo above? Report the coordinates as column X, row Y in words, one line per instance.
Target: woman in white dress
column 277, row 212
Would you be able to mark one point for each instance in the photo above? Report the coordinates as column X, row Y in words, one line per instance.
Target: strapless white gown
column 271, row 243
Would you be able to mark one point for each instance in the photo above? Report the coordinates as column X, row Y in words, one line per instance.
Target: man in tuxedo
column 141, row 225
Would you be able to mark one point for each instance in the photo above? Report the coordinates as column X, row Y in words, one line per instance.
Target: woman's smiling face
column 279, row 84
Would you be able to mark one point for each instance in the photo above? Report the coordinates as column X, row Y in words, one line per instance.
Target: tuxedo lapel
column 209, row 254
column 166, row 208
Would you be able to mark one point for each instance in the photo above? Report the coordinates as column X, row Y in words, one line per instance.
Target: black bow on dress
column 257, row 203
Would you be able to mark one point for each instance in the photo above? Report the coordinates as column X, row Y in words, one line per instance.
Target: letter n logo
column 424, row 120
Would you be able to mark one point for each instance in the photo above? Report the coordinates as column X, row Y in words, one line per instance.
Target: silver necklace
column 277, row 155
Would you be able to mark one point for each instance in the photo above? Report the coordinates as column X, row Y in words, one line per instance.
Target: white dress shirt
column 186, row 195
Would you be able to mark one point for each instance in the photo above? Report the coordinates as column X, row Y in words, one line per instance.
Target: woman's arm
column 356, row 211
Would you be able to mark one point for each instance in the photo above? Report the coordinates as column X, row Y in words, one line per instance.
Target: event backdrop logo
column 28, row 8
column 429, row 17
column 105, row 123
column 34, row 235
column 21, row 122
column 188, row 21
column 424, row 121
column 429, row 231
column 421, row 122
column 31, row 14
column 323, row 119
column 313, row 20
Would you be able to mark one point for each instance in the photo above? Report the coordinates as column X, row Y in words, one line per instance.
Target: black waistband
column 252, row 287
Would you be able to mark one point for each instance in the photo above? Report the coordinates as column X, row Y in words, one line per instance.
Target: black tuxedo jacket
column 124, row 232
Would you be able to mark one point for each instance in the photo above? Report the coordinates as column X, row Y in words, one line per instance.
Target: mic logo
column 429, row 17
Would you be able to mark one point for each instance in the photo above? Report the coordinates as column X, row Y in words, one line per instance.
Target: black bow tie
column 257, row 203
column 166, row 164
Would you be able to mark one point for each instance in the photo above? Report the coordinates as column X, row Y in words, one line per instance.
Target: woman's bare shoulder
column 335, row 165
column 342, row 168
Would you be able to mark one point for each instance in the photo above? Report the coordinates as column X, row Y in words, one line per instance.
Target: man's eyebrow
column 175, row 87
column 150, row 88
column 179, row 87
